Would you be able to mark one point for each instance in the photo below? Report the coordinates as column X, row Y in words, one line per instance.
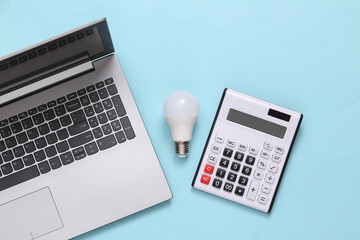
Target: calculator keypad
column 240, row 164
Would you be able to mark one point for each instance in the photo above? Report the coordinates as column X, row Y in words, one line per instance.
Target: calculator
column 247, row 150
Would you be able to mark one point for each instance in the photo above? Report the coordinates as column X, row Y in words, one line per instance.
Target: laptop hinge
column 63, row 73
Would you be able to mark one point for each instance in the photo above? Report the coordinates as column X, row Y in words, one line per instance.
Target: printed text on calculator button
column 262, row 164
column 219, row 138
column 258, row 174
column 269, row 178
column 273, row 167
column 276, row 158
column 262, row 199
column 209, row 169
column 205, row 179
column 242, row 147
column 253, row 189
column 215, row 148
column 279, row 149
column 231, row 143
column 253, row 151
column 265, row 154
column 265, row 188
column 212, row 158
column 268, row 146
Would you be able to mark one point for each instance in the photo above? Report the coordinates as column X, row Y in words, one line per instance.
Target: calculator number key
column 228, row 187
column 246, row 170
column 217, row 183
column 250, row 160
column 228, row 152
column 239, row 156
column 205, row 179
column 209, row 169
column 232, row 177
column 224, row 163
column 243, row 180
column 220, row 173
column 235, row 166
column 239, row 191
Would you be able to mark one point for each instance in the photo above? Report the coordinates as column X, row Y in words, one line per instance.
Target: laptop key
column 32, row 111
column 111, row 114
column 61, row 100
column 106, row 142
column 6, row 168
column 21, row 138
column 13, row 119
column 103, row 93
column 29, row 160
column 93, row 122
column 29, row 147
column 91, row 148
column 39, row 155
column 90, row 88
column 33, row 133
column 51, row 138
column 55, row 162
column 60, row 110
column 17, row 164
column 66, row 158
column 97, row 132
column 106, row 129
column 71, row 96
column 129, row 132
column 98, row 107
column 62, row 146
column 2, row 146
column 42, row 108
column 62, row 134
column 10, row 142
column 4, row 122
column 16, row 127
column 49, row 114
column 81, row 92
column 38, row 119
column 5, row 132
column 102, row 118
column 99, row 85
column 84, row 100
column 80, row 156
column 78, row 116
column 44, row 167
column 78, row 128
column 120, row 136
column 65, row 120
column 50, row 151
column 23, row 115
column 73, row 105
column 27, row 123
column 81, row 139
column 94, row 97
column 89, row 111
column 107, row 104
column 54, row 125
column 112, row 89
column 116, row 125
column 78, row 150
column 40, row 143
column 7, row 156
column 19, row 151
column 119, row 107
column 109, row 81
column 19, row 177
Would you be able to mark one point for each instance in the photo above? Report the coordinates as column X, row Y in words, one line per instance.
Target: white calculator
column 247, row 149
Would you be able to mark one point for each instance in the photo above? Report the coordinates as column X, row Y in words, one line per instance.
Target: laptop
column 74, row 151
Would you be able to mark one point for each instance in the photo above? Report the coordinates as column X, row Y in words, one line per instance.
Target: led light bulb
column 181, row 110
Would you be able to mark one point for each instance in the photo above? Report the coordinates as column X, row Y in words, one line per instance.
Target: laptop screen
column 56, row 54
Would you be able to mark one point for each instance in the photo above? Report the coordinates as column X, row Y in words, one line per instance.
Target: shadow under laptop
column 117, row 224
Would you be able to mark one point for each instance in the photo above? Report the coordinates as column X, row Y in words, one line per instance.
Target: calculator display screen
column 256, row 123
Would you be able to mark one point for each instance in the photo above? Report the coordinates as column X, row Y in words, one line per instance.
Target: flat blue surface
column 303, row 55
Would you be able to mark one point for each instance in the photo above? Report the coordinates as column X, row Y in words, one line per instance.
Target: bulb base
column 182, row 149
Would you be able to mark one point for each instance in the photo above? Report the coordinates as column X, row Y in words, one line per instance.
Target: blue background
column 303, row 55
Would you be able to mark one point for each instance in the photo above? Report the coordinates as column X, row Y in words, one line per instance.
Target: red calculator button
column 205, row 179
column 209, row 169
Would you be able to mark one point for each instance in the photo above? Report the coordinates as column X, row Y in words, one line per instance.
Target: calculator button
column 265, row 188
column 212, row 159
column 265, row 154
column 205, row 179
column 209, row 169
column 228, row 187
column 276, row 158
column 217, row 183
column 253, row 151
column 279, row 149
column 239, row 156
column 227, row 152
column 235, row 166
column 231, row 143
column 242, row 147
column 273, row 167
column 269, row 178
column 215, row 148
column 250, row 160
column 268, row 146
column 262, row 164
column 220, row 172
column 243, row 180
column 258, row 175
column 262, row 199
column 246, row 170
column 219, row 138
column 253, row 189
column 232, row 177
column 239, row 191
column 224, row 163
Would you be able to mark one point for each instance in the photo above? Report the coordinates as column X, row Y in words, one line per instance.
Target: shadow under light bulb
column 181, row 110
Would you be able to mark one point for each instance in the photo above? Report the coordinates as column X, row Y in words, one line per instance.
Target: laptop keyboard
column 61, row 132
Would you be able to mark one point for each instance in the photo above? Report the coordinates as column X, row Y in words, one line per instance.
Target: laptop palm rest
column 30, row 216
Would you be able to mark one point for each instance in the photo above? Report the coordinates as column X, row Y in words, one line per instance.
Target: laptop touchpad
column 30, row 216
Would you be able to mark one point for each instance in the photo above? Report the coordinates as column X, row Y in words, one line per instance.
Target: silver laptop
column 74, row 152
